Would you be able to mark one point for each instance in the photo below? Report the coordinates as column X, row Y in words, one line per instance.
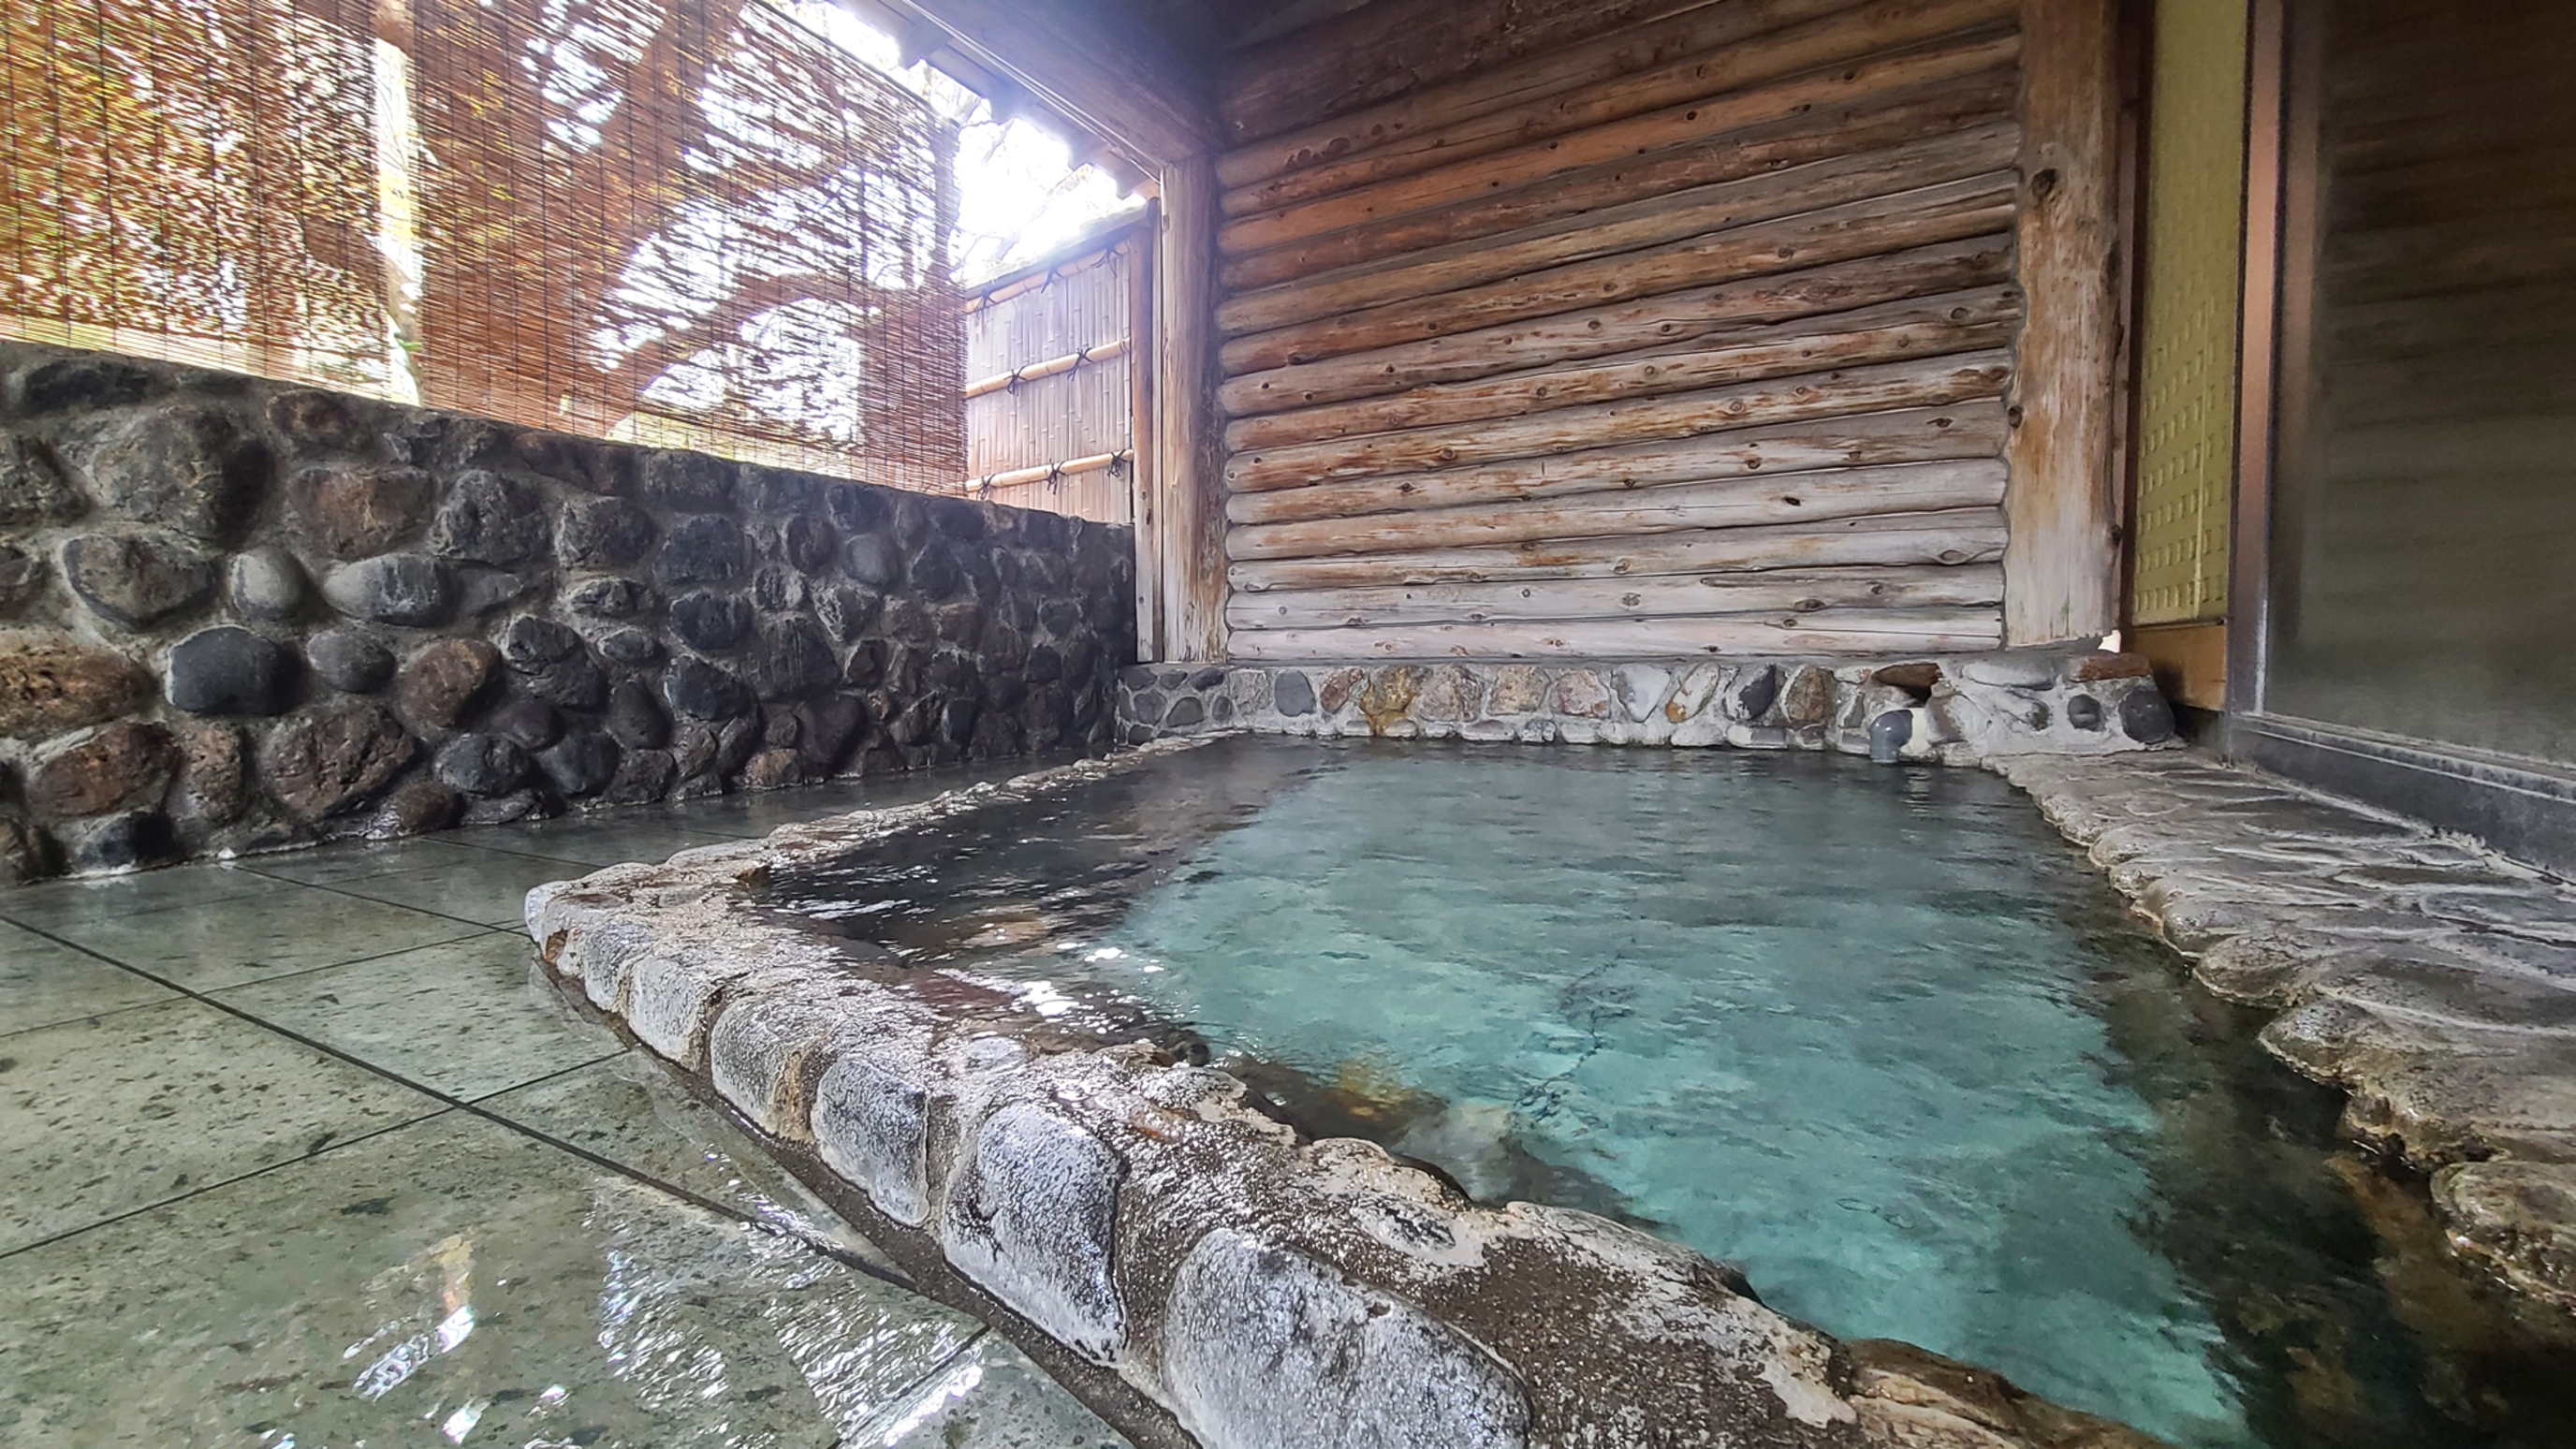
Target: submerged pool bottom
column 1874, row 1035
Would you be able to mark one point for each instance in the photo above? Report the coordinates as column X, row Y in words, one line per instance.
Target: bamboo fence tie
column 1010, row 381
column 1051, row 474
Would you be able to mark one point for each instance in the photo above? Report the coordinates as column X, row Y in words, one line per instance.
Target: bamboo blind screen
column 681, row 222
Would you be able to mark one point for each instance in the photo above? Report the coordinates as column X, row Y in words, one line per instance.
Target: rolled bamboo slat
column 1923, row 327
column 1952, row 537
column 1913, row 435
column 1827, row 631
column 1670, row 596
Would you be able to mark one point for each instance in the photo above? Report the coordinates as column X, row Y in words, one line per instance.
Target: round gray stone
column 186, row 467
column 266, row 583
column 230, row 670
column 480, row 764
column 350, row 660
column 489, row 519
column 137, row 579
column 393, row 588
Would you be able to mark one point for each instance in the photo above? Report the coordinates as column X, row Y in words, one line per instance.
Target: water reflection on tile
column 467, row 1017
column 990, row 1397
column 629, row 1111
column 608, row 840
column 42, row 983
column 274, row 928
column 451, row 1280
column 134, row 1108
column 54, row 903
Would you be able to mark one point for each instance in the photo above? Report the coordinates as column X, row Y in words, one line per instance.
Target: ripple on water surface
column 1875, row 1034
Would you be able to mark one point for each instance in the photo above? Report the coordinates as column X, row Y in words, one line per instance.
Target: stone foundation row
column 1266, row 1292
column 2431, row 980
column 1958, row 709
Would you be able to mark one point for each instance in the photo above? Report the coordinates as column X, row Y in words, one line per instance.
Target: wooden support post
column 2061, row 567
column 1189, row 461
column 1144, row 278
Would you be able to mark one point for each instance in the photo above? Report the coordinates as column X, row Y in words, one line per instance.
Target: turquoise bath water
column 1876, row 1035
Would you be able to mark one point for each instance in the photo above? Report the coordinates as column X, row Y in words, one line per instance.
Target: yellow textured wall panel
column 2195, row 210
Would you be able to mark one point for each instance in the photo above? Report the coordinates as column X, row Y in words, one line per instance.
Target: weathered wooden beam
column 1682, row 105
column 1925, row 383
column 1787, row 633
column 1867, row 123
column 1729, row 309
column 1388, row 49
column 1913, row 435
column 2062, row 568
column 1684, row 218
column 1189, row 455
column 1668, row 596
column 1957, row 536
column 1919, row 327
column 1121, row 81
column 1552, row 72
column 1950, row 211
column 1729, row 503
column 1145, row 492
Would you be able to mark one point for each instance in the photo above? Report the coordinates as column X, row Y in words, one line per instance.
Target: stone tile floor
column 303, row 1150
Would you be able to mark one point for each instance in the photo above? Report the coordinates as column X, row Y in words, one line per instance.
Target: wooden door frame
column 2522, row 810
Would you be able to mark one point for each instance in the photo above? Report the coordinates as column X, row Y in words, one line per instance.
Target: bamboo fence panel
column 1052, row 371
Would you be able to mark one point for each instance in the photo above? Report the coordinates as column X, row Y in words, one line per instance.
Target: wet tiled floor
column 303, row 1150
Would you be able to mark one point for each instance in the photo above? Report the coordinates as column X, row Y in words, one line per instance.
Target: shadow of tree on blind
column 696, row 224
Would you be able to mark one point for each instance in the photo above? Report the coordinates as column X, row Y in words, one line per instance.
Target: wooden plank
column 1122, row 81
column 1189, row 455
column 1678, row 595
column 1683, row 105
column 1781, row 634
column 1144, row 281
column 1728, row 503
column 1549, row 73
column 2190, row 661
column 1913, row 435
column 1726, row 310
column 1866, row 123
column 1919, row 327
column 2062, row 566
column 1927, row 383
column 1385, row 50
column 1958, row 536
column 1952, row 211
column 1686, row 218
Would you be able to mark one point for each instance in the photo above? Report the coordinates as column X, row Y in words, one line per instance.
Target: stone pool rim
column 1255, row 1288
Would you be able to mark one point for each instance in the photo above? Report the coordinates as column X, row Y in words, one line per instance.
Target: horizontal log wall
column 1621, row 329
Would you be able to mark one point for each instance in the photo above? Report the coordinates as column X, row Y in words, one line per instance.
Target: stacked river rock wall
column 1957, row 709
column 237, row 615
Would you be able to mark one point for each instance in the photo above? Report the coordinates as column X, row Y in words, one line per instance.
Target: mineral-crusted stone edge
column 1267, row 1292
